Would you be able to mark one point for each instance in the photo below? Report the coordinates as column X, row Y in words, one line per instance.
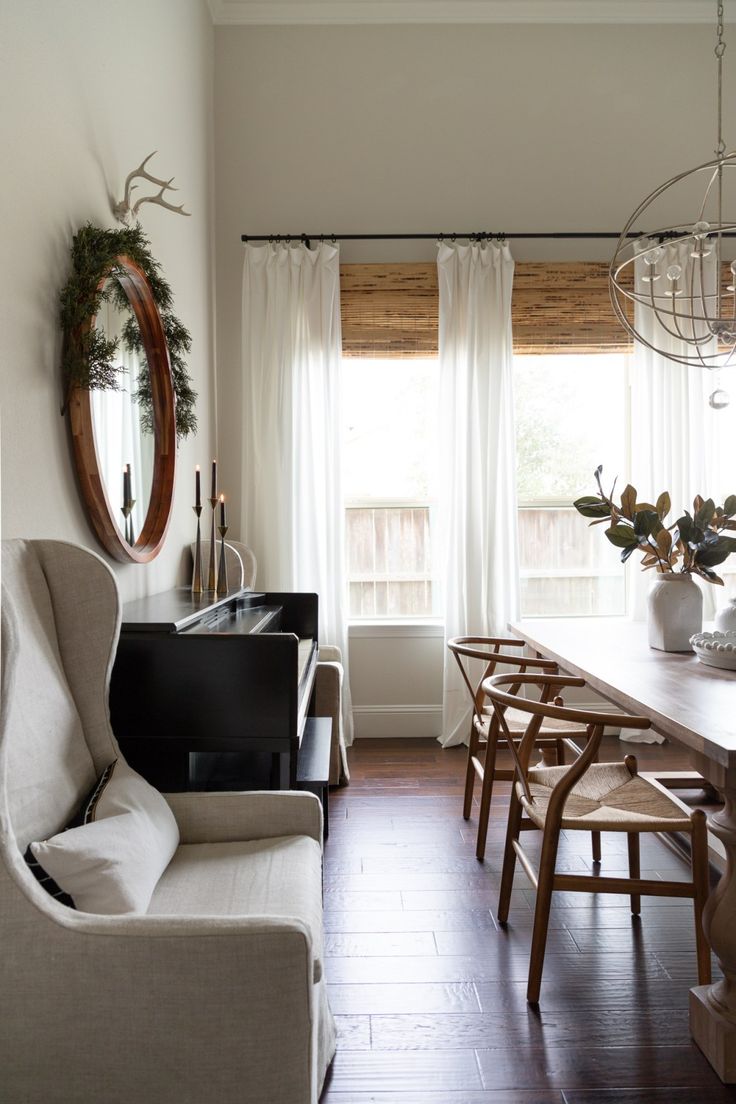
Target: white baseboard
column 381, row 722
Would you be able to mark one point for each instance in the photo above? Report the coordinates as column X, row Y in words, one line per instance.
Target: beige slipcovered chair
column 216, row 993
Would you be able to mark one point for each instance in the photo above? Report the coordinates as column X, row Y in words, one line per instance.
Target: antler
column 123, row 209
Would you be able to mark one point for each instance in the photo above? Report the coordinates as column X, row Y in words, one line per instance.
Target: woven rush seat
column 606, row 799
column 517, row 722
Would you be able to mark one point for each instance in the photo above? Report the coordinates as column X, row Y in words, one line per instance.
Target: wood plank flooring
column 429, row 993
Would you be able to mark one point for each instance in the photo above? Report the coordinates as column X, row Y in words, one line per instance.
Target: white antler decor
column 123, row 210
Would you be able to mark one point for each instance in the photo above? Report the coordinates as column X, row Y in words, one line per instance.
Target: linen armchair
column 216, row 993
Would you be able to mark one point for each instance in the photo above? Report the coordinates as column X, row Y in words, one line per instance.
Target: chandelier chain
column 720, row 50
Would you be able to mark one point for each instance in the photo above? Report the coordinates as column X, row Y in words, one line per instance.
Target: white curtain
column 673, row 428
column 477, row 501
column 292, row 506
column 119, row 439
column 674, row 431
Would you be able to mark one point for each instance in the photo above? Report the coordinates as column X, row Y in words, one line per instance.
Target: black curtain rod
column 426, row 237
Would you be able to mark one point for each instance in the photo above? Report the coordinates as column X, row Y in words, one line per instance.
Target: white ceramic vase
column 675, row 612
column 726, row 617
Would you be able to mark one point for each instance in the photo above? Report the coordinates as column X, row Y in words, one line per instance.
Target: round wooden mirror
column 109, row 432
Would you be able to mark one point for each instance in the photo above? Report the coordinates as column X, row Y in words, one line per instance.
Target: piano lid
column 175, row 610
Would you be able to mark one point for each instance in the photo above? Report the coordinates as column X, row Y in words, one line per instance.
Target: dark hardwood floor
column 428, row 991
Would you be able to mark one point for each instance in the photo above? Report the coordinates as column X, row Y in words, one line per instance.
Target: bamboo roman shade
column 391, row 310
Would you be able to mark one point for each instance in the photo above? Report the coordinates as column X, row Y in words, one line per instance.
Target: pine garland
column 88, row 357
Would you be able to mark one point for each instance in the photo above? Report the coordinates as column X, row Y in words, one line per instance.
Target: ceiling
column 278, row 12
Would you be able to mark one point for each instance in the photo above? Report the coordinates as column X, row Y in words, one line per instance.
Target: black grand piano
column 214, row 692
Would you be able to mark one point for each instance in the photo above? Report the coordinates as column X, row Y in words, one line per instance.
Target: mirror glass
column 124, row 442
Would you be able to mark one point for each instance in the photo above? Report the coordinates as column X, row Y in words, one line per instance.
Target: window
column 571, row 415
column 390, row 410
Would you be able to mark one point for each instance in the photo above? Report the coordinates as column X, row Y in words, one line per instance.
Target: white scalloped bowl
column 717, row 649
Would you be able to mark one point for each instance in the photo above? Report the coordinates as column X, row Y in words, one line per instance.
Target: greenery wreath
column 88, row 356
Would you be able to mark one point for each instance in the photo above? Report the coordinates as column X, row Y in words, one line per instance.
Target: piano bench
column 313, row 764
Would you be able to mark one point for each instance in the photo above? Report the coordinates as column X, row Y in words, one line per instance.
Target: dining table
column 694, row 705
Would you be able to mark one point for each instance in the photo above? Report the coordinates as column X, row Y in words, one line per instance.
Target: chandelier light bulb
column 654, row 255
column 674, row 272
column 701, row 230
column 719, row 399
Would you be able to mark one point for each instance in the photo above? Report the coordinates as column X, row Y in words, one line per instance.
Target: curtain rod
column 429, row 237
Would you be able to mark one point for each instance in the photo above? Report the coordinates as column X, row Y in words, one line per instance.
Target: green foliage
column 695, row 541
column 88, row 357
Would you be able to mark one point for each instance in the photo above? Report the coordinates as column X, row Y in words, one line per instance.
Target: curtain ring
column 453, row 237
column 440, row 238
column 334, row 240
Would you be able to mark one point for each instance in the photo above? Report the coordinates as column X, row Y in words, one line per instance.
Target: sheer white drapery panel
column 479, row 571
column 672, row 426
column 119, row 438
column 293, row 515
column 674, row 431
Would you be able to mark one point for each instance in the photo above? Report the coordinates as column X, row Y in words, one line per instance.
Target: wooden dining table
column 695, row 705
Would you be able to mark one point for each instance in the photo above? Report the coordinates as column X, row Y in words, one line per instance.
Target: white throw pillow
column 112, row 862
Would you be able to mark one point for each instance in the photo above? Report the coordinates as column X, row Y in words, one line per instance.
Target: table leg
column 713, row 1007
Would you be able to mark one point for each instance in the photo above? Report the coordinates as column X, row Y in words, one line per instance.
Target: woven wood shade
column 391, row 310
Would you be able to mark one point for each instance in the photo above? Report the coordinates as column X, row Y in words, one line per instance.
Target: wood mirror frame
column 150, row 541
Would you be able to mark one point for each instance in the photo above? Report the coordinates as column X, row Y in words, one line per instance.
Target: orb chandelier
column 684, row 313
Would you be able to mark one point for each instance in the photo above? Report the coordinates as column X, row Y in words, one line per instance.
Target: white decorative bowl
column 717, row 649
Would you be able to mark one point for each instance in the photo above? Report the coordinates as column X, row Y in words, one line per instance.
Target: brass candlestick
column 222, row 573
column 197, row 587
column 212, row 572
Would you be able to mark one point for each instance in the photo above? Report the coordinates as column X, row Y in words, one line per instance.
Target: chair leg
column 470, row 770
column 545, row 886
column 595, row 840
column 486, row 793
column 702, row 887
column 634, row 869
column 560, row 745
column 509, row 857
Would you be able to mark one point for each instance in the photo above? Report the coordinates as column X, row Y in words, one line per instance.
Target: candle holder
column 126, row 511
column 197, row 587
column 212, row 571
column 222, row 573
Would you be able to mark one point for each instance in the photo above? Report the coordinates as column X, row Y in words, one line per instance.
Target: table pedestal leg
column 713, row 1007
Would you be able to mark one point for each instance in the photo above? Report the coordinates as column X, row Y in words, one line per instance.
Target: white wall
column 428, row 128
column 88, row 88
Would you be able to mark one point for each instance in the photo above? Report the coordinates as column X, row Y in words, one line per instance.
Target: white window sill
column 407, row 628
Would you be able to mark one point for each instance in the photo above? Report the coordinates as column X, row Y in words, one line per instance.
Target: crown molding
column 356, row 12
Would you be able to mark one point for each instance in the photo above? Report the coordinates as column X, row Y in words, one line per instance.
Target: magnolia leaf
column 592, row 507
column 729, row 506
column 710, row 576
column 628, row 502
column 645, row 506
column 627, row 552
column 664, row 504
column 664, row 543
column 704, row 515
column 623, row 536
column 697, row 503
column 646, row 523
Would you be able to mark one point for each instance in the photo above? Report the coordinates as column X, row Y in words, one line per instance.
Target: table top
column 686, row 700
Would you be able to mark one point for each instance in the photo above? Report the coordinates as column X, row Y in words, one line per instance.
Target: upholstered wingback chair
column 216, row 993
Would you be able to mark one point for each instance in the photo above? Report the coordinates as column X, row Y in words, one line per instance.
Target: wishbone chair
column 484, row 730
column 588, row 796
